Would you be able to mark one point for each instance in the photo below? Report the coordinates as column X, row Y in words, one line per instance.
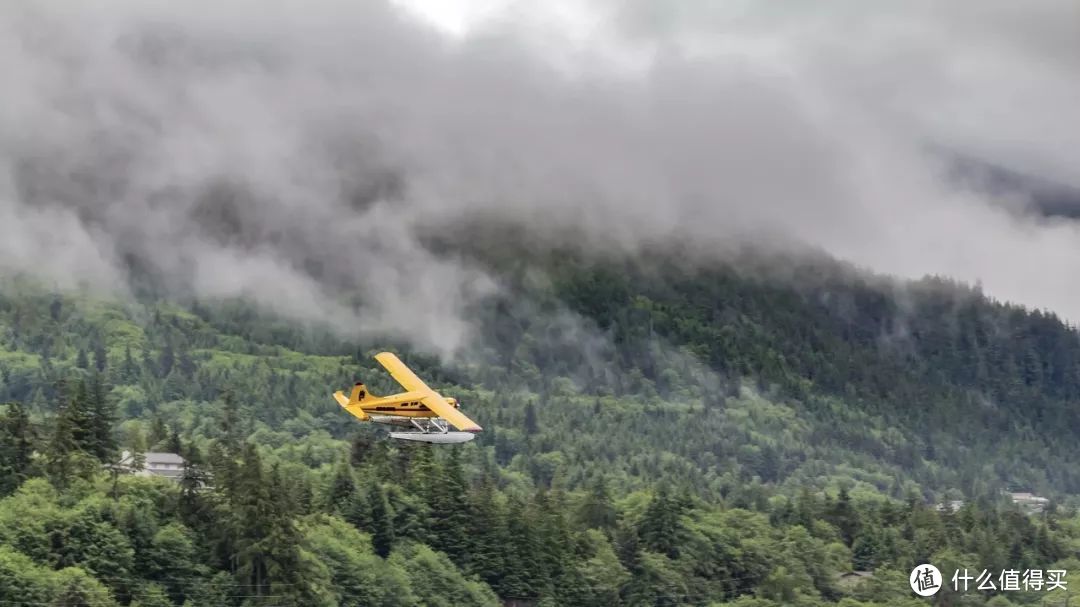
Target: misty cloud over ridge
column 297, row 152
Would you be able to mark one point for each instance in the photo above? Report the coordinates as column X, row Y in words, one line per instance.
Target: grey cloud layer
column 293, row 152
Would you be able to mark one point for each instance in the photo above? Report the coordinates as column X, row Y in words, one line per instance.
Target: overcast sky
column 290, row 150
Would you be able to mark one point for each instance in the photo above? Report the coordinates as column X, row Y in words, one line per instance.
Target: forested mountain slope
column 656, row 432
column 968, row 381
column 931, row 377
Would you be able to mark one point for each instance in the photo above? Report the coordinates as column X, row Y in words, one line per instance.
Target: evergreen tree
column 185, row 365
column 253, row 514
column 175, row 444
column 129, row 370
column 138, row 451
column 303, row 496
column 807, row 508
column 174, row 387
column 166, row 361
column 342, row 492
column 288, row 573
column 844, row 517
column 487, row 528
column 61, row 449
column 532, row 426
column 597, row 511
column 192, row 481
column 16, row 448
column 158, row 431
column 149, row 366
column 422, row 472
column 555, row 542
column 79, row 411
column 628, row 546
column 661, row 529
column 865, row 551
column 362, row 446
column 449, row 504
column 55, row 307
column 101, row 442
column 232, row 437
column 268, row 543
column 381, row 520
column 101, row 358
column 523, row 576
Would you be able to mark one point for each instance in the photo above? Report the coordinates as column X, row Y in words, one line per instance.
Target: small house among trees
column 166, row 465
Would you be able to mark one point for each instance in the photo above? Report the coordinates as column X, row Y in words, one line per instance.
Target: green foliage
column 653, row 436
column 16, row 447
column 380, row 520
column 661, row 527
column 21, row 580
column 439, row 583
column 357, row 576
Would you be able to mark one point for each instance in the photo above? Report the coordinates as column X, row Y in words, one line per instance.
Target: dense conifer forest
column 654, row 435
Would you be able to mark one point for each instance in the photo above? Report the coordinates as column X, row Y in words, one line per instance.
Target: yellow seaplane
column 428, row 414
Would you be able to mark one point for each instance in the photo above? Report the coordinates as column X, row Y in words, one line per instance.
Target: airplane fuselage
column 404, row 405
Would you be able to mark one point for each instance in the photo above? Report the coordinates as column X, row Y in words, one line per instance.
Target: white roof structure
column 156, row 463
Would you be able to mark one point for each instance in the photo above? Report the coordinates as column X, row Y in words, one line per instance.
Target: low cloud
column 297, row 153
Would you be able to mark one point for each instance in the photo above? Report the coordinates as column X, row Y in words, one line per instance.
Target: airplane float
column 428, row 414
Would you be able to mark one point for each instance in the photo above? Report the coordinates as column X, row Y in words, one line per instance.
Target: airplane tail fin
column 353, row 402
column 359, row 393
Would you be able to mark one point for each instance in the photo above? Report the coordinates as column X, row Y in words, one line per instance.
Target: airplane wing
column 450, row 413
column 408, row 380
column 401, row 374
